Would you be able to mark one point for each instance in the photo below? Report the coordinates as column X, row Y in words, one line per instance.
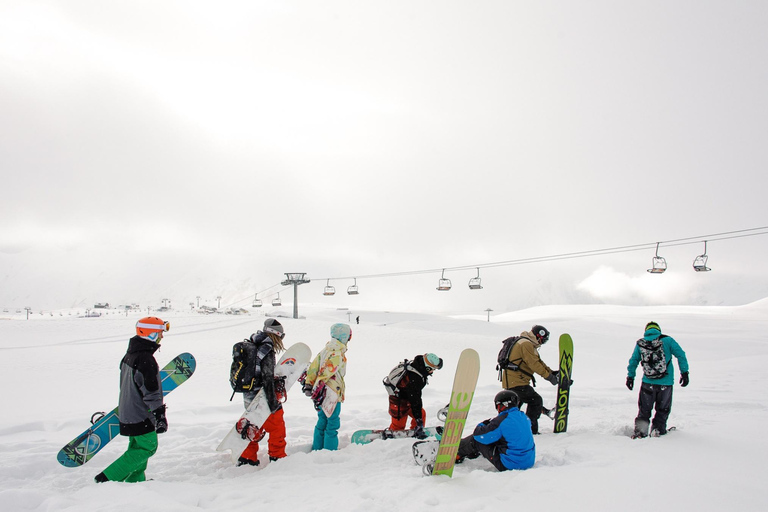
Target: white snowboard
column 291, row 365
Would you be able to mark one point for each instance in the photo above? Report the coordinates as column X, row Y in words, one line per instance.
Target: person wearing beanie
column 655, row 351
column 405, row 394
column 141, row 410
column 324, row 383
column 268, row 342
column 524, row 362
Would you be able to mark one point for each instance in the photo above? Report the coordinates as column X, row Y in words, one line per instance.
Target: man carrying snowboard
column 524, row 356
column 506, row 440
column 655, row 351
column 141, row 410
column 405, row 394
column 268, row 342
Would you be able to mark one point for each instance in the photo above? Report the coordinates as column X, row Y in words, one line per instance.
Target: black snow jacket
column 416, row 379
column 141, row 390
column 264, row 371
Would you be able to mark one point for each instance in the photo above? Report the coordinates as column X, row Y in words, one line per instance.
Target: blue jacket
column 511, row 432
column 671, row 348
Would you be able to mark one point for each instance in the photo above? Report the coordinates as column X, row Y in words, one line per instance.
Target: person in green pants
column 141, row 410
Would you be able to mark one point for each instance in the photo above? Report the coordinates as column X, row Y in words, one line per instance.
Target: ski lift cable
column 727, row 235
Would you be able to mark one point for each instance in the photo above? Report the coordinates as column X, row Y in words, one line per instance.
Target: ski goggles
column 162, row 327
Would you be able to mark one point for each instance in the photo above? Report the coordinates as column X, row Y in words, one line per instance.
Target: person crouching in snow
column 324, row 383
column 268, row 343
column 141, row 410
column 506, row 440
column 405, row 394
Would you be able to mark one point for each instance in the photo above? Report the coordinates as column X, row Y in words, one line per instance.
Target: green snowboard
column 564, row 387
column 462, row 393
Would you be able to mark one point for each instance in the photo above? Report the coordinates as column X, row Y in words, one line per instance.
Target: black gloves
column 630, row 383
column 307, row 389
column 161, row 422
column 684, row 379
column 554, row 378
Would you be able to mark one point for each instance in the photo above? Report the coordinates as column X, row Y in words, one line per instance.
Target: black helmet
column 506, row 399
column 541, row 333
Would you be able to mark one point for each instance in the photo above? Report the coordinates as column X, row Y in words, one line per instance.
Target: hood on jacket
column 140, row 344
column 651, row 334
column 341, row 332
column 528, row 335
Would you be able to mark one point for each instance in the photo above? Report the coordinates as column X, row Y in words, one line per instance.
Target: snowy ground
column 56, row 370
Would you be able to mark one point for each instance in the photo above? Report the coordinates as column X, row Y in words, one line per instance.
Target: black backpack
column 652, row 357
column 242, row 373
column 502, row 360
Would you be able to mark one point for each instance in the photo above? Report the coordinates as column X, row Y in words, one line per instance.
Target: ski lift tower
column 295, row 278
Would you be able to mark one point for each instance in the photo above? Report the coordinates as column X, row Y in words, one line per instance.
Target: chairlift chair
column 352, row 290
column 474, row 283
column 659, row 263
column 256, row 301
column 277, row 302
column 443, row 285
column 700, row 263
column 329, row 290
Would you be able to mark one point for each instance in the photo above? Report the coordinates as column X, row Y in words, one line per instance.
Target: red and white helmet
column 150, row 327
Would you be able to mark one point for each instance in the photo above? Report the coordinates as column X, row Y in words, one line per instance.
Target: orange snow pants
column 275, row 427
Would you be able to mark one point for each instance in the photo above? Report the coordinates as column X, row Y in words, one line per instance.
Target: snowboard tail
column 106, row 427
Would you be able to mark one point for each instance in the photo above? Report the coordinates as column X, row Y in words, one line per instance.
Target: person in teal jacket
column 655, row 351
column 506, row 440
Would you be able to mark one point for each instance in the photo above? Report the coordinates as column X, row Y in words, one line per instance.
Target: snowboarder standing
column 269, row 342
column 405, row 394
column 506, row 440
column 324, row 383
column 525, row 357
column 141, row 410
column 655, row 350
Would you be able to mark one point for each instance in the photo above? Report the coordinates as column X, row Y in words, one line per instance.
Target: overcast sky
column 183, row 148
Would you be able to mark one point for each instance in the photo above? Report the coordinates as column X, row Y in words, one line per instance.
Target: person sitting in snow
column 405, row 395
column 141, row 410
column 656, row 389
column 324, row 383
column 269, row 342
column 525, row 356
column 506, row 440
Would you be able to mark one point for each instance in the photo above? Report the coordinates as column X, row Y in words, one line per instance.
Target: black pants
column 471, row 449
column 653, row 395
column 533, row 399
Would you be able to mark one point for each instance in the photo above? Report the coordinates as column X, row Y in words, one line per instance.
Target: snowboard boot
column 101, row 478
column 273, row 459
column 242, row 461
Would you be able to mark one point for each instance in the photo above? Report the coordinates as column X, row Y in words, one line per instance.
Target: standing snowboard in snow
column 467, row 371
column 291, row 365
column 564, row 385
column 107, row 426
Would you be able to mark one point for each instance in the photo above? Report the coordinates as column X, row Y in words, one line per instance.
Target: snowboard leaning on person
column 269, row 342
column 141, row 410
column 405, row 395
column 655, row 351
column 506, row 440
column 325, row 385
column 525, row 356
